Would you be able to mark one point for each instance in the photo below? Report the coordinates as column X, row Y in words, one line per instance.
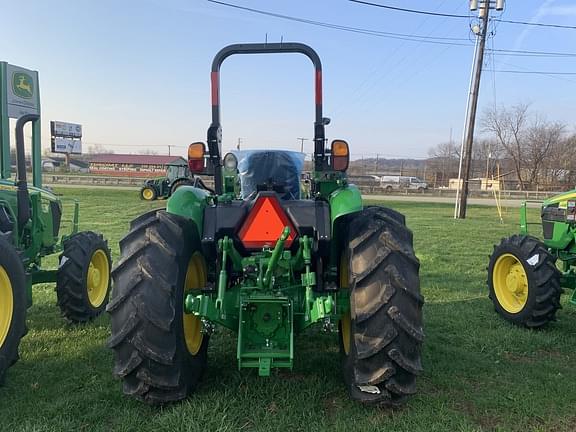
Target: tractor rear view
column 268, row 265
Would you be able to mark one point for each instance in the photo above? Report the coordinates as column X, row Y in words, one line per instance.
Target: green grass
column 481, row 374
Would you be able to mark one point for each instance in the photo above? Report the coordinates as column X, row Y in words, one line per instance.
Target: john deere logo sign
column 22, row 85
column 23, row 93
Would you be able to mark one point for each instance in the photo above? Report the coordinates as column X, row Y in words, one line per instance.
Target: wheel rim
column 6, row 305
column 510, row 283
column 345, row 321
column 147, row 194
column 195, row 280
column 98, row 278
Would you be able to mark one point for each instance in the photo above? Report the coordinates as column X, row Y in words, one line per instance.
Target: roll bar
column 215, row 129
column 22, row 194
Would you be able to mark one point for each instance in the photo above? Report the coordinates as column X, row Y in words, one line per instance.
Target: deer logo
column 22, row 84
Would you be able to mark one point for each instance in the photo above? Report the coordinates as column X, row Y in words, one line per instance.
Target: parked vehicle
column 390, row 183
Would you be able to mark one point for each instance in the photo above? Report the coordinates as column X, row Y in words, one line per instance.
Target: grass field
column 481, row 374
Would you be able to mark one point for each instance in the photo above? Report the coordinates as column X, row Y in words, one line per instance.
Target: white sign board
column 22, row 91
column 66, row 145
column 70, row 130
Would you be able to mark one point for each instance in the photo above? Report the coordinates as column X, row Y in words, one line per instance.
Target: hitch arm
column 276, row 253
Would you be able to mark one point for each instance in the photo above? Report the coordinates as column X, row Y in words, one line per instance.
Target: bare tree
column 509, row 128
column 443, row 161
column 543, row 140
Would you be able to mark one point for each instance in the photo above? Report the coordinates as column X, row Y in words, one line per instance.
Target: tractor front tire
column 83, row 279
column 12, row 306
column 160, row 352
column 523, row 282
column 148, row 193
column 381, row 338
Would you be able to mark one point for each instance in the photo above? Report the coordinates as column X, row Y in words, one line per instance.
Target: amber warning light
column 196, row 157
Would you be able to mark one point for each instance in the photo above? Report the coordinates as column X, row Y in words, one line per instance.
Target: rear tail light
column 340, row 155
column 196, row 153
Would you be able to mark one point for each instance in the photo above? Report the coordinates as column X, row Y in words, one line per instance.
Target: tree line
column 519, row 146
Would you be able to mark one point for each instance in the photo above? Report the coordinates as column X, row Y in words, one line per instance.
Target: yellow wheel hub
column 510, row 283
column 195, row 280
column 98, row 278
column 345, row 321
column 148, row 194
column 6, row 305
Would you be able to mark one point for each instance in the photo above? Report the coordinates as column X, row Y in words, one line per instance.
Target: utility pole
column 239, row 143
column 169, row 150
column 302, row 143
column 481, row 32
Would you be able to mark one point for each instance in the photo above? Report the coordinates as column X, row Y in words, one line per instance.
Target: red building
column 132, row 165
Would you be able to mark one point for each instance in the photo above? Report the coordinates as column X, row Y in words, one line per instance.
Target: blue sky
column 135, row 74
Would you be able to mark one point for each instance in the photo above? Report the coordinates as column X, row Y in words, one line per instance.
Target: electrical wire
column 360, row 30
column 399, row 9
column 421, row 12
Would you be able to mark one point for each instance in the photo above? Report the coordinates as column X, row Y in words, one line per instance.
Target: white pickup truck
column 389, row 183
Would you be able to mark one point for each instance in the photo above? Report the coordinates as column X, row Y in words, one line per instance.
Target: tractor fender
column 189, row 202
column 344, row 201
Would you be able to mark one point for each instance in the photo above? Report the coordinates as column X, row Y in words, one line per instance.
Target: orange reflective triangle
column 265, row 223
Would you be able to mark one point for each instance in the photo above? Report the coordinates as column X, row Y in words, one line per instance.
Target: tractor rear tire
column 381, row 348
column 180, row 182
column 83, row 280
column 148, row 193
column 523, row 282
column 152, row 349
column 12, row 306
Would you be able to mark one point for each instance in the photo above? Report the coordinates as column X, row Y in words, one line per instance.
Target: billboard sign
column 22, row 91
column 66, row 137
column 66, row 145
column 61, row 129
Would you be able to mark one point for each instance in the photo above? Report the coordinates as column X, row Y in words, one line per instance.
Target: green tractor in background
column 30, row 219
column 526, row 275
column 163, row 187
column 268, row 265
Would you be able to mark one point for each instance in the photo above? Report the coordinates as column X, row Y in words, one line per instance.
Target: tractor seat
column 270, row 170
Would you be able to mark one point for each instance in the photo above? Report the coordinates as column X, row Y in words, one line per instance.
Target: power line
column 400, row 36
column 535, row 24
column 360, row 30
column 531, row 72
column 421, row 12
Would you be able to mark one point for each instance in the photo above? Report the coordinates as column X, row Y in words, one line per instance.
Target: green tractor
column 526, row 275
column 30, row 219
column 268, row 265
column 163, row 187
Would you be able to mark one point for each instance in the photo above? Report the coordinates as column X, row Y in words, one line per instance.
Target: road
column 408, row 198
column 447, row 200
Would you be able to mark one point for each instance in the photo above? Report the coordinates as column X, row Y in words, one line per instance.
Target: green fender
column 344, row 201
column 189, row 202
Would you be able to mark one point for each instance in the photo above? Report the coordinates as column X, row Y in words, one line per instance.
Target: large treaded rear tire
column 384, row 355
column 12, row 267
column 151, row 356
column 543, row 281
column 72, row 283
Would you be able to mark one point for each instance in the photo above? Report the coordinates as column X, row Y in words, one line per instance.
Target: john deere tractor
column 268, row 265
column 526, row 274
column 162, row 187
column 30, row 219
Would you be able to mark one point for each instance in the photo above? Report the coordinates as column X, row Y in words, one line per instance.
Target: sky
column 136, row 73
